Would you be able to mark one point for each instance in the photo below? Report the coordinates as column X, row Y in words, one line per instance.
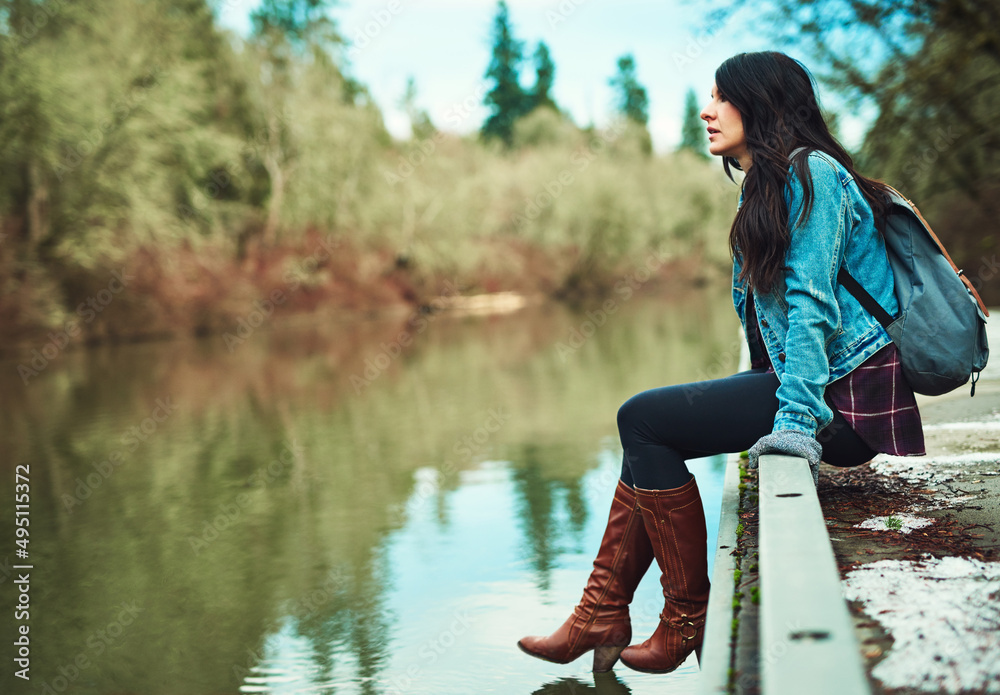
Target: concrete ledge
column 717, row 648
column 807, row 642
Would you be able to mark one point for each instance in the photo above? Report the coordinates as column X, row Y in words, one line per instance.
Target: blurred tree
column 421, row 126
column 545, row 71
column 631, row 98
column 546, row 127
column 97, row 159
column 693, row 130
column 297, row 21
column 507, row 99
column 632, row 104
column 28, row 116
column 139, row 134
column 284, row 30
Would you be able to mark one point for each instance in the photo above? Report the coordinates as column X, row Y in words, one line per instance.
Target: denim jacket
column 814, row 330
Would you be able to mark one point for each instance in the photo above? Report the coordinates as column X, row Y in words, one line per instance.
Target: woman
column 825, row 380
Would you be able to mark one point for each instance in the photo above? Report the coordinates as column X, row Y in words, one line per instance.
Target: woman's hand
column 789, row 443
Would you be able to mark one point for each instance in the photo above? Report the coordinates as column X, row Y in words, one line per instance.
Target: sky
column 444, row 45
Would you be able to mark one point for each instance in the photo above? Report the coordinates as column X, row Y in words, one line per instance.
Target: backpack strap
column 906, row 202
column 866, row 300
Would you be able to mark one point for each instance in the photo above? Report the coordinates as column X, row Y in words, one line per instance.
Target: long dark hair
column 776, row 99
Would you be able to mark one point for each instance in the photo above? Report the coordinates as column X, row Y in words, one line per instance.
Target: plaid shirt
column 879, row 405
column 875, row 399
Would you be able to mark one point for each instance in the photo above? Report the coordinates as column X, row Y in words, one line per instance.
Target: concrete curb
column 788, row 574
column 806, row 641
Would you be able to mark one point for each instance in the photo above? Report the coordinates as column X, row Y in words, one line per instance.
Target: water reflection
column 547, row 509
column 282, row 518
column 603, row 684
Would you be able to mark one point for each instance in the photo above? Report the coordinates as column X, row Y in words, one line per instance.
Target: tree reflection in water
column 604, row 684
column 240, row 565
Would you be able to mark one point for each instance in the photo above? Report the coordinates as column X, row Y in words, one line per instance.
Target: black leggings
column 662, row 428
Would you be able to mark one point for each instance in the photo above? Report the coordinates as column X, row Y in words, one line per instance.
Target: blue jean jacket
column 814, row 330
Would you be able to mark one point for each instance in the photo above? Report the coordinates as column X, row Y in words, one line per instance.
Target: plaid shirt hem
column 879, row 405
column 875, row 398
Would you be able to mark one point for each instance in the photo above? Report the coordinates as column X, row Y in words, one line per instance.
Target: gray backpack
column 941, row 328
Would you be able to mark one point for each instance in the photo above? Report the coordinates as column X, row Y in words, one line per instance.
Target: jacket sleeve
column 814, row 254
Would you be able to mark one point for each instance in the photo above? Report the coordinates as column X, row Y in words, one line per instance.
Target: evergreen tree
column 692, row 131
column 298, row 21
column 545, row 71
column 632, row 101
column 507, row 99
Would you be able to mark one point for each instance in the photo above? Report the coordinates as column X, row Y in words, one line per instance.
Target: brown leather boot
column 601, row 621
column 675, row 523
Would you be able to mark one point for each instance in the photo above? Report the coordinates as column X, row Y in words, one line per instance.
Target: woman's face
column 725, row 127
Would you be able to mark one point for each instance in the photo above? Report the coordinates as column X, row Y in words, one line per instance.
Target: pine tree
column 298, row 21
column 633, row 103
column 545, row 71
column 692, row 131
column 507, row 99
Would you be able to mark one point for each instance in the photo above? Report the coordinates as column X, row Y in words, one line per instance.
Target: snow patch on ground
column 929, row 469
column 944, row 617
column 908, row 523
column 945, row 503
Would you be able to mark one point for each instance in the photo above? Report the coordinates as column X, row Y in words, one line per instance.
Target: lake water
column 355, row 507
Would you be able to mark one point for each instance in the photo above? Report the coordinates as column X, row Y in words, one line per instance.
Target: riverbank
column 161, row 295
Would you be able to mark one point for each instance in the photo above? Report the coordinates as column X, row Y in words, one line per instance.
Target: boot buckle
column 684, row 624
